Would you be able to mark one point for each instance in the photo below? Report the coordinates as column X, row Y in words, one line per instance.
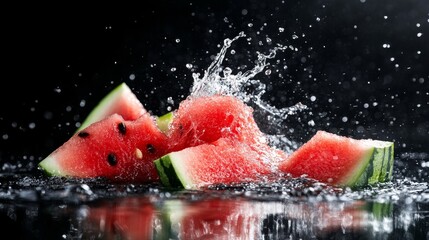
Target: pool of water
column 34, row 206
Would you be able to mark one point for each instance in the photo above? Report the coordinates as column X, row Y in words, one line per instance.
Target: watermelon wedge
column 206, row 119
column 341, row 160
column 120, row 100
column 112, row 148
column 223, row 161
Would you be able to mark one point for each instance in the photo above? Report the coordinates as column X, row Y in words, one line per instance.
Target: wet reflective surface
column 38, row 207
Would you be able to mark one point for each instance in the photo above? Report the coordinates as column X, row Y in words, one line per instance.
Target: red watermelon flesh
column 341, row 160
column 112, row 148
column 224, row 161
column 206, row 119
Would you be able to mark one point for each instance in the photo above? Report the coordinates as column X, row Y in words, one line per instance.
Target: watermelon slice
column 112, row 148
column 120, row 100
column 342, row 161
column 223, row 161
column 206, row 119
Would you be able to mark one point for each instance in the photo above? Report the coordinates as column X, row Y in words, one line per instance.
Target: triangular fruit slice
column 224, row 161
column 112, row 148
column 120, row 100
column 200, row 120
column 341, row 160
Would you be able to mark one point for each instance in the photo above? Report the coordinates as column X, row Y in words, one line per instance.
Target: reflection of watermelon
column 120, row 100
column 341, row 160
column 129, row 218
column 229, row 218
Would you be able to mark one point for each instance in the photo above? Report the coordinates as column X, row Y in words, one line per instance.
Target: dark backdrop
column 364, row 63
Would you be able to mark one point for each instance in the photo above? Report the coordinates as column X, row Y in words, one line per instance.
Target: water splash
column 218, row 79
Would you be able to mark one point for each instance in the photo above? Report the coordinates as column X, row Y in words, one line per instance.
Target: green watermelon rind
column 374, row 167
column 163, row 122
column 99, row 111
column 169, row 169
column 50, row 167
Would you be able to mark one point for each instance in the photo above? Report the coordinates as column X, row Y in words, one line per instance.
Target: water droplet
column 177, row 40
column 419, row 34
column 281, row 29
column 189, row 66
column 313, row 98
column 132, row 76
column 250, row 25
column 318, row 19
column 244, row 12
column 268, row 72
column 227, row 72
column 173, row 69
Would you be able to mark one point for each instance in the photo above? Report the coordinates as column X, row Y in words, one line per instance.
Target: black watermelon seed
column 122, row 128
column 83, row 134
column 180, row 129
column 111, row 159
column 150, row 148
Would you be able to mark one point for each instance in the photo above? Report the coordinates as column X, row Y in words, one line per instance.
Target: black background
column 59, row 61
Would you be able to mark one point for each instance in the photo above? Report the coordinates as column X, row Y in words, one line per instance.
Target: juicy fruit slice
column 342, row 161
column 112, row 148
column 224, row 161
column 120, row 100
column 206, row 119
